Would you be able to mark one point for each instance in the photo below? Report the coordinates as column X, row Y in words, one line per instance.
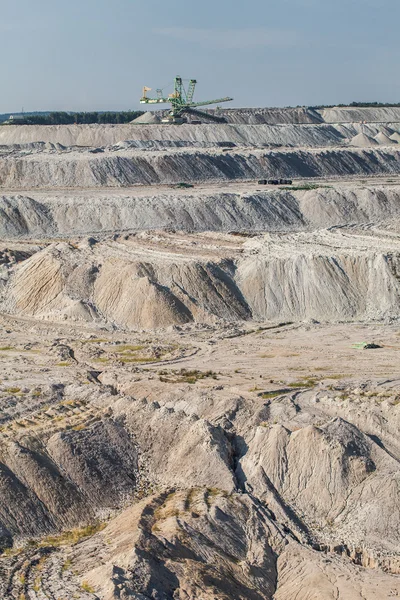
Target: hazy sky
column 97, row 54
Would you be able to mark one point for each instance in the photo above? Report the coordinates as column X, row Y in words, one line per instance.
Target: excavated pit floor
column 199, row 388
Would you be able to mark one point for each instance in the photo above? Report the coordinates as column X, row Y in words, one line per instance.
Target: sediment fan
column 181, row 101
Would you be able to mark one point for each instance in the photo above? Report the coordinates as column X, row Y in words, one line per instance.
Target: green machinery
column 181, row 101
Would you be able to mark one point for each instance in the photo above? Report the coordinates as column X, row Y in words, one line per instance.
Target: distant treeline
column 366, row 104
column 65, row 118
column 359, row 105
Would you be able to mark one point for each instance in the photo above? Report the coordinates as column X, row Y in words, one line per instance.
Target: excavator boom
column 207, row 102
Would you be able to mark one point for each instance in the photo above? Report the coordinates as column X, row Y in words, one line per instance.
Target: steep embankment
column 69, row 214
column 159, row 136
column 145, row 282
column 119, row 169
column 349, row 114
column 271, row 116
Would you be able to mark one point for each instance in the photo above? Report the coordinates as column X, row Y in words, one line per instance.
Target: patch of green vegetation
column 87, row 588
column 271, row 394
column 306, row 382
column 127, row 348
column 67, row 565
column 5, row 348
column 306, row 187
column 185, row 376
column 80, row 427
column 11, row 551
column 212, row 493
column 73, row 536
column 138, row 359
column 37, row 584
column 101, row 359
column 63, row 364
column 184, row 185
column 13, row 390
column 259, row 329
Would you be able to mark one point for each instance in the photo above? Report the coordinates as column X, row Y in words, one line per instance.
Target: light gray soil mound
column 279, row 277
column 363, row 141
column 355, row 114
column 384, row 140
column 148, row 118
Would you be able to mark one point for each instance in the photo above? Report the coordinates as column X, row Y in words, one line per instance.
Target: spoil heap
column 199, row 394
column 148, row 118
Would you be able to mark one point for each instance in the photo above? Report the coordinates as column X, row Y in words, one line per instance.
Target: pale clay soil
column 186, row 407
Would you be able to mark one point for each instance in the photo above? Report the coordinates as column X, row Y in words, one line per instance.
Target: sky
column 98, row 54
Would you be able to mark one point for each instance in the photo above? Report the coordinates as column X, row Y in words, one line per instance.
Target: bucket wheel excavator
column 182, row 104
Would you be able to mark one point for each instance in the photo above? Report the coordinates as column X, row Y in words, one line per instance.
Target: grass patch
column 258, row 330
column 211, row 494
column 185, row 376
column 63, row 364
column 80, row 427
column 128, row 354
column 138, row 359
column 183, row 185
column 5, row 348
column 306, row 187
column 272, row 394
column 37, row 584
column 127, row 348
column 73, row 536
column 87, row 588
column 306, row 382
column 13, row 390
column 101, row 359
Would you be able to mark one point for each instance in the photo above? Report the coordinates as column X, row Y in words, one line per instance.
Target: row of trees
column 66, row 118
column 359, row 105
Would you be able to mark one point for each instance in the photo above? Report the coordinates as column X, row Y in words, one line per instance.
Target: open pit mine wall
column 74, row 214
column 302, row 115
column 85, row 170
column 298, row 282
column 159, row 136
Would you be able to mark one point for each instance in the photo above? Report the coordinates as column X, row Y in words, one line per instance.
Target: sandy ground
column 222, row 454
column 253, row 358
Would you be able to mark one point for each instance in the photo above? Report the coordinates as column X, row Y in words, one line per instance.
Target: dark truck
column 275, row 181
